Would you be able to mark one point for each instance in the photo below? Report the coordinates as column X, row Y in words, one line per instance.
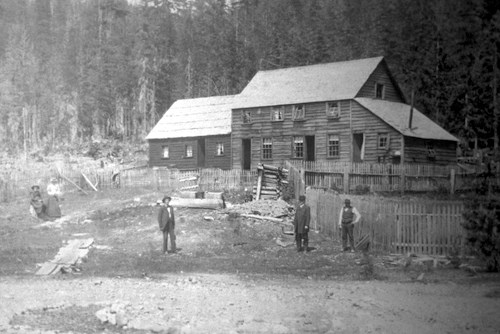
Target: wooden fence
column 16, row 184
column 394, row 225
column 349, row 177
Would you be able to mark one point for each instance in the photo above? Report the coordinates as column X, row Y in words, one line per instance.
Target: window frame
column 219, row 153
column 329, row 146
column 380, row 137
column 295, row 112
column 188, row 154
column 163, row 152
column 382, row 91
column 277, row 110
column 267, row 152
column 336, row 110
column 431, row 151
column 295, row 149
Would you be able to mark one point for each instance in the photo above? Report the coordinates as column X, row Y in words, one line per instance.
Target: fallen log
column 199, row 203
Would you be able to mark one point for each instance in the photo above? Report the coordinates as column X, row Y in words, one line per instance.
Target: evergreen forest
column 72, row 71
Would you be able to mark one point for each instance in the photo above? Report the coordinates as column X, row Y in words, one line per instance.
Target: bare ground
column 232, row 275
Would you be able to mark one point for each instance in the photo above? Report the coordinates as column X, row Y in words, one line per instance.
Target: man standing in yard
column 301, row 224
column 349, row 216
column 166, row 220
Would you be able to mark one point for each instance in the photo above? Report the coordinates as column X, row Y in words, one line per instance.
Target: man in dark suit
column 301, row 224
column 166, row 221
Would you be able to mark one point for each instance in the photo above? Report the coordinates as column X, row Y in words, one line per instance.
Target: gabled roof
column 397, row 115
column 305, row 84
column 206, row 116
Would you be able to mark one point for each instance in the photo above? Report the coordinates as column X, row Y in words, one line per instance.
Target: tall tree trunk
column 495, row 97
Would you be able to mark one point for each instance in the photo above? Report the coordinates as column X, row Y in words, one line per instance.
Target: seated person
column 37, row 208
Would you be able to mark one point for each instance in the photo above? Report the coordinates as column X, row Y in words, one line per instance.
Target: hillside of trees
column 72, row 71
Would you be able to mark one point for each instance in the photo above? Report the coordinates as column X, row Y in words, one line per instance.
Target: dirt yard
column 232, row 275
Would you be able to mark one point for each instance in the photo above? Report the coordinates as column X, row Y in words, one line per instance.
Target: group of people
column 48, row 209
column 348, row 216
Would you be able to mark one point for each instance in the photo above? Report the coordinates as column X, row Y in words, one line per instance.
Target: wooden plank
column 48, row 268
column 200, row 203
column 88, row 181
column 64, row 177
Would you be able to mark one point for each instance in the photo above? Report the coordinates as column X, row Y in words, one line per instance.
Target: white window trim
column 332, row 112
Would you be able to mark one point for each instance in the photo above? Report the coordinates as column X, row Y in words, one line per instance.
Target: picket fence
column 394, row 225
column 350, row 177
column 17, row 184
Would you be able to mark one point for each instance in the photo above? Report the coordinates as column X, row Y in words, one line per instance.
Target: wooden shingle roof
column 305, row 84
column 206, row 116
column 397, row 115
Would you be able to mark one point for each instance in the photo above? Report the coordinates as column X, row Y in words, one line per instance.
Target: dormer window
column 379, row 91
column 333, row 110
column 246, row 116
column 278, row 113
column 299, row 112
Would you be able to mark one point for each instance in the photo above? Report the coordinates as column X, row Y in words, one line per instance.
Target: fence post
column 452, row 181
column 402, row 181
column 346, row 181
column 302, row 183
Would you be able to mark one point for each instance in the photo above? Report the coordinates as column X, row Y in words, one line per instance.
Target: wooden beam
column 73, row 183
column 88, row 181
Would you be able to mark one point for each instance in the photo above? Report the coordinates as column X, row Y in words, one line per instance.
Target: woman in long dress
column 54, row 193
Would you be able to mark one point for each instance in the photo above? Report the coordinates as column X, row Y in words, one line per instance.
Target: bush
column 482, row 225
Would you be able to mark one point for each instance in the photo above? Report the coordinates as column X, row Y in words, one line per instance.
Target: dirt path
column 231, row 304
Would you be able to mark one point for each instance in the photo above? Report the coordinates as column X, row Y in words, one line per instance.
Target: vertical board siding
column 398, row 226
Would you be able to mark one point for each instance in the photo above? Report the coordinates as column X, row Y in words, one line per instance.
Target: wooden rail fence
column 394, row 225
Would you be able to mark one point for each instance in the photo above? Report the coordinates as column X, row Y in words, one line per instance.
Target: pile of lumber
column 271, row 182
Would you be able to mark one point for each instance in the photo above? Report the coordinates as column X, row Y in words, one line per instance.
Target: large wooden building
column 344, row 111
column 193, row 133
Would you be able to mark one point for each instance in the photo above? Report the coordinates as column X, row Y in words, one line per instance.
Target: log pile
column 271, row 182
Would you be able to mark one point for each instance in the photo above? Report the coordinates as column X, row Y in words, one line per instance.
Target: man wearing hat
column 301, row 224
column 349, row 216
column 166, row 221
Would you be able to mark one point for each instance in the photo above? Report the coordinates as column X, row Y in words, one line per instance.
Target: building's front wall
column 353, row 118
column 177, row 157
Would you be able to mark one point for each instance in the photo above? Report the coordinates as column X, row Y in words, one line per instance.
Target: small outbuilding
column 193, row 133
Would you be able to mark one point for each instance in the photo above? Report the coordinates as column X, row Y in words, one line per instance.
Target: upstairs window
column 431, row 152
column 220, row 149
column 246, row 116
column 383, row 141
column 189, row 151
column 267, row 148
column 277, row 113
column 379, row 91
column 333, row 146
column 165, row 152
column 333, row 109
column 299, row 112
column 298, row 147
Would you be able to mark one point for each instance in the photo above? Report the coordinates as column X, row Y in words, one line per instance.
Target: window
column 165, row 152
column 298, row 147
column 189, row 151
column 333, row 109
column 277, row 113
column 220, row 149
column 333, row 146
column 383, row 141
column 379, row 91
column 267, row 148
column 246, row 116
column 299, row 112
column 431, row 153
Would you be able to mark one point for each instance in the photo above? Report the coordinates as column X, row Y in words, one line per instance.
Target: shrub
column 482, row 225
